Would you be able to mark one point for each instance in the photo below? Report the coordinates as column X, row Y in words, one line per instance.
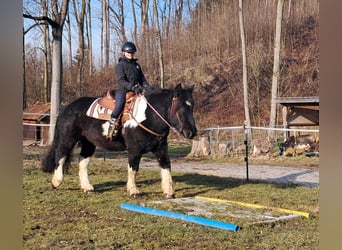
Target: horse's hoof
column 169, row 196
column 87, row 189
column 137, row 195
column 55, row 182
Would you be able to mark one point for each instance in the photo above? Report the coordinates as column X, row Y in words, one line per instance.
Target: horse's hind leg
column 62, row 155
column 87, row 151
column 57, row 177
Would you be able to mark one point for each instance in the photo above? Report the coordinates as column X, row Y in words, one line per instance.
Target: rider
column 130, row 78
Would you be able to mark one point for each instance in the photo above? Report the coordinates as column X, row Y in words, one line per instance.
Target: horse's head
column 181, row 113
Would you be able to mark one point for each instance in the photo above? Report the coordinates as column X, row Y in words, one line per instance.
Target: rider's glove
column 137, row 89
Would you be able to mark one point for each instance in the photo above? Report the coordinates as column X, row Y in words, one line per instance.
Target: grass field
column 67, row 218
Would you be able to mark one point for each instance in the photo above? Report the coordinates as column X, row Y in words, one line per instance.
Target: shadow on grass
column 108, row 186
column 111, row 185
column 204, row 183
column 219, row 183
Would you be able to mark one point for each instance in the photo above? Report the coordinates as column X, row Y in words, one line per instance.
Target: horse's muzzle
column 188, row 133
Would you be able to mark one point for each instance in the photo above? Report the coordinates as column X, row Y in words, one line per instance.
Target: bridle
column 171, row 114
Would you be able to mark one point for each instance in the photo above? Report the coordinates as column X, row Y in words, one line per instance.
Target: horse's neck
column 161, row 102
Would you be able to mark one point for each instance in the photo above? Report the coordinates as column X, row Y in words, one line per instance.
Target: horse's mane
column 156, row 91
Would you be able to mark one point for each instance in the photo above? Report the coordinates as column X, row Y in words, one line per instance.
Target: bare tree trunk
column 244, row 67
column 119, row 17
column 89, row 36
column 159, row 44
column 70, row 51
column 57, row 23
column 57, row 72
column 122, row 20
column 105, row 34
column 68, row 24
column 179, row 14
column 275, row 77
column 46, row 66
column 135, row 30
column 144, row 22
column 80, row 59
column 46, row 54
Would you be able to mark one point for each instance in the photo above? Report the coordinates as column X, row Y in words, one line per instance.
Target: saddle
column 102, row 107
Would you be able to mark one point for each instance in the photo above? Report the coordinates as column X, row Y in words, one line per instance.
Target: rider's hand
column 137, row 89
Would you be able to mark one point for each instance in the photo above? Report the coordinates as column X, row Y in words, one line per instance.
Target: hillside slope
column 218, row 80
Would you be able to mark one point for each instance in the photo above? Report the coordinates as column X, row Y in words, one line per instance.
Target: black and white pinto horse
column 162, row 110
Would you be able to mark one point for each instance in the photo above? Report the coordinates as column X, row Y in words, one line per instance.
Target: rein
column 162, row 118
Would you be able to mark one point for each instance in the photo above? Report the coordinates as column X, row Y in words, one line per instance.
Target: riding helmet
column 129, row 47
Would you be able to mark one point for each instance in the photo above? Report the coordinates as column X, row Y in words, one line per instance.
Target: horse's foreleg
column 131, row 183
column 57, row 177
column 166, row 183
column 165, row 164
column 83, row 174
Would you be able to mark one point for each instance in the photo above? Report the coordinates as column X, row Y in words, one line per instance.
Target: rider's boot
column 111, row 129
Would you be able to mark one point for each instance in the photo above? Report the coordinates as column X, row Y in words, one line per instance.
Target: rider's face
column 129, row 55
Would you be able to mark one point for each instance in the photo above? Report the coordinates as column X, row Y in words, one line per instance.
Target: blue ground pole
column 184, row 217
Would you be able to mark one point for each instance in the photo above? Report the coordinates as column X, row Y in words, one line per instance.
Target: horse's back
column 73, row 116
column 78, row 105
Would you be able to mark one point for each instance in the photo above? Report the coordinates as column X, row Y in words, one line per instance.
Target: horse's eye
column 188, row 103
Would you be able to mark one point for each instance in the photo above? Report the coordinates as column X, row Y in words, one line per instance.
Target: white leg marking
column 166, row 182
column 83, row 174
column 131, row 185
column 57, row 177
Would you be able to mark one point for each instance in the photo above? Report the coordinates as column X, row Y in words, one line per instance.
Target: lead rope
column 162, row 118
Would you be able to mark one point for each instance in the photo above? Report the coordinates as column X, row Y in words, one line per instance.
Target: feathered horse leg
column 131, row 183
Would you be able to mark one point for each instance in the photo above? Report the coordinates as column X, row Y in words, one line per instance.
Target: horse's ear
column 178, row 90
column 191, row 88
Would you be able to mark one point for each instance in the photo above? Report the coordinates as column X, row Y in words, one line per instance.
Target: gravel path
column 308, row 177
column 305, row 176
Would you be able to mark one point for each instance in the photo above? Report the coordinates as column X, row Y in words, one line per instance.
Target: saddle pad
column 96, row 111
column 137, row 112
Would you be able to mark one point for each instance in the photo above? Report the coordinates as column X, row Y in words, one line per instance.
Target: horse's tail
column 49, row 162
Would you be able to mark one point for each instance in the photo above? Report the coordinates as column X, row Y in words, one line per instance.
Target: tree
column 178, row 14
column 159, row 44
column 135, row 25
column 275, row 76
column 80, row 14
column 56, row 23
column 89, row 38
column 47, row 55
column 145, row 43
column 244, row 66
column 105, row 37
column 119, row 18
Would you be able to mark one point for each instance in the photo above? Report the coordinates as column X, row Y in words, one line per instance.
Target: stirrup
column 111, row 130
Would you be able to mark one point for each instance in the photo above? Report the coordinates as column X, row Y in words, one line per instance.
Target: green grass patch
column 67, row 218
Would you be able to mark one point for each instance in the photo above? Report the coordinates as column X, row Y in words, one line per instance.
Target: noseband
column 173, row 110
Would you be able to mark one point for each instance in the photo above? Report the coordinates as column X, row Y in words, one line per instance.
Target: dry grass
column 66, row 218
